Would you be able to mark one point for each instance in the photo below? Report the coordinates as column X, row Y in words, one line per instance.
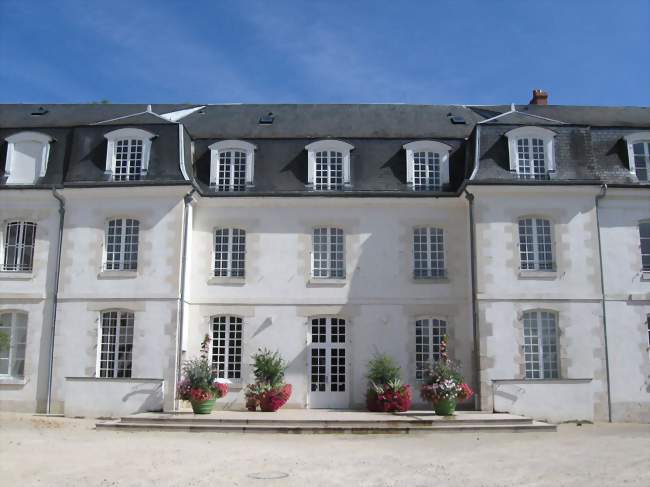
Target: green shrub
column 383, row 369
column 269, row 368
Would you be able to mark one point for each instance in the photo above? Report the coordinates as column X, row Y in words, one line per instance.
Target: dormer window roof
column 638, row 154
column 127, row 154
column 328, row 165
column 531, row 152
column 427, row 165
column 27, row 157
column 232, row 165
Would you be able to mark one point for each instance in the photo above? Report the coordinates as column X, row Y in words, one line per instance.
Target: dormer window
column 638, row 154
column 27, row 156
column 127, row 155
column 232, row 165
column 427, row 165
column 329, row 165
column 531, row 152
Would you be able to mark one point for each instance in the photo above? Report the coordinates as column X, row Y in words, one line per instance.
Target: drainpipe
column 475, row 331
column 188, row 200
column 55, row 297
column 600, row 196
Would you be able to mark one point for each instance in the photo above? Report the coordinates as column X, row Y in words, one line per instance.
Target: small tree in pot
column 386, row 392
column 269, row 390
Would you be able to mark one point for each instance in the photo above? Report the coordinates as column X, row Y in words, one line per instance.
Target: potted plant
column 444, row 385
column 269, row 390
column 200, row 384
column 386, row 392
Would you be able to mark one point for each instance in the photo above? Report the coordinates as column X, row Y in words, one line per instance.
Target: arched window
column 427, row 165
column 116, row 344
column 329, row 165
column 328, row 253
column 13, row 326
column 429, row 333
column 18, row 246
column 229, row 252
column 638, row 153
column 531, row 152
column 536, row 244
column 227, row 345
column 541, row 344
column 232, row 165
column 429, row 253
column 121, row 245
column 127, row 155
column 27, row 157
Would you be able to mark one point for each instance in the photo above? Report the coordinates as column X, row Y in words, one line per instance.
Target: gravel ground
column 69, row 452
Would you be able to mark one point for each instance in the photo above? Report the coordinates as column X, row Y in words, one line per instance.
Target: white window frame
column 328, row 145
column 119, row 264
column 630, row 141
column 534, row 361
column 14, row 347
column 229, row 253
column 224, row 146
column 121, row 339
column 432, row 273
column 430, row 342
column 128, row 134
column 21, row 247
column 644, row 270
column 546, row 135
column 434, row 147
column 536, row 247
column 338, row 274
column 233, row 352
column 12, row 140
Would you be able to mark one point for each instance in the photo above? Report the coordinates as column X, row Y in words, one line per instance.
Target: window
column 13, row 325
column 427, row 165
column 540, row 345
column 428, row 335
column 644, row 234
column 227, row 346
column 638, row 153
column 428, row 253
column 116, row 344
column 648, row 323
column 122, row 236
column 328, row 255
column 329, row 165
column 535, row 244
column 229, row 252
column 231, row 165
column 127, row 155
column 19, row 242
column 531, row 152
column 27, row 157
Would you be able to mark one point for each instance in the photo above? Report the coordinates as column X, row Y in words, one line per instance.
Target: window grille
column 116, row 350
column 328, row 255
column 122, row 239
column 232, row 171
column 644, row 234
column 428, row 335
column 329, row 170
column 531, row 160
column 229, row 252
column 128, row 160
column 642, row 160
column 535, row 244
column 540, row 345
column 227, row 346
column 428, row 253
column 20, row 239
column 12, row 358
column 426, row 171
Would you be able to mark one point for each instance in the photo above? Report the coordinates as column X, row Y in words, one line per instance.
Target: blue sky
column 585, row 52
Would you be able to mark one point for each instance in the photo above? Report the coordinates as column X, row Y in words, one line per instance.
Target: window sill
column 645, row 275
column 226, row 281
column 117, row 274
column 542, row 381
column 525, row 274
column 12, row 381
column 21, row 276
column 326, row 282
column 430, row 280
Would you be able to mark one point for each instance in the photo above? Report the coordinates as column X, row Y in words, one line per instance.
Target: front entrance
column 328, row 363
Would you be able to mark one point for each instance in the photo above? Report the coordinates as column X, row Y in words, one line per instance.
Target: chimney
column 540, row 97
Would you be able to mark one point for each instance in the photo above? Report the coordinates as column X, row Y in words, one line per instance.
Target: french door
column 328, row 363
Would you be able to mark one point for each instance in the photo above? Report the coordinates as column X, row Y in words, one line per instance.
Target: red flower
column 466, row 392
column 200, row 395
column 222, row 389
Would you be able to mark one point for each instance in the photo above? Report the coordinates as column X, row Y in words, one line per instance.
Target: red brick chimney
column 540, row 97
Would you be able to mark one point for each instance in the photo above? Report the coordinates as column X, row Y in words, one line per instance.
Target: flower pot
column 251, row 404
column 202, row 407
column 273, row 400
column 389, row 402
column 444, row 407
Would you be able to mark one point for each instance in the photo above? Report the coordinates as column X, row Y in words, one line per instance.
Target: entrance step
column 315, row 422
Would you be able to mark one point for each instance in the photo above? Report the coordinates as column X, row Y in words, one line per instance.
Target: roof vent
column 456, row 119
column 40, row 112
column 266, row 119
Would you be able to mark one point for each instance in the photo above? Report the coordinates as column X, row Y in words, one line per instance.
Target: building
column 329, row 233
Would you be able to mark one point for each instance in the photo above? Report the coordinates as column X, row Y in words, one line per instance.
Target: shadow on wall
column 149, row 397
